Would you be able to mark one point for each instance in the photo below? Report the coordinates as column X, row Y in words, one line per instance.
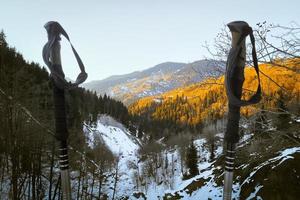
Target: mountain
column 155, row 80
column 206, row 100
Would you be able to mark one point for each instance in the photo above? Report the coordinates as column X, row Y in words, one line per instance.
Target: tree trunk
column 51, row 171
column 116, row 179
column 100, row 184
column 14, row 176
column 56, row 187
column 33, row 181
column 79, row 182
column 39, row 178
column 93, row 181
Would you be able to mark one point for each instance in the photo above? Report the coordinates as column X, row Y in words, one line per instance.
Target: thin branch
column 281, row 87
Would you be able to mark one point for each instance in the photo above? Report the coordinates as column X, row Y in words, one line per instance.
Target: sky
column 121, row 36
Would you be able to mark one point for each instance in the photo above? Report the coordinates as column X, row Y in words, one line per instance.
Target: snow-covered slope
column 169, row 180
column 116, row 137
column 209, row 188
column 122, row 144
column 137, row 180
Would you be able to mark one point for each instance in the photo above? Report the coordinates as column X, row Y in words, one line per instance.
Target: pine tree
column 3, row 39
column 192, row 160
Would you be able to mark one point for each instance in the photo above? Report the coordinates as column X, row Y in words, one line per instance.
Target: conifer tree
column 3, row 39
column 192, row 160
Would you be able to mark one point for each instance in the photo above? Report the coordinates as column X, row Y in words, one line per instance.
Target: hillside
column 263, row 161
column 117, row 139
column 155, row 80
column 206, row 100
column 28, row 149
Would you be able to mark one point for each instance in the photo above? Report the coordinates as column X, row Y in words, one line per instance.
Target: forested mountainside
column 153, row 81
column 27, row 146
column 268, row 153
column 206, row 101
column 29, row 84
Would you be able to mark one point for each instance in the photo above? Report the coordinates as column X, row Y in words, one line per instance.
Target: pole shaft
column 64, row 170
column 61, row 125
column 228, row 175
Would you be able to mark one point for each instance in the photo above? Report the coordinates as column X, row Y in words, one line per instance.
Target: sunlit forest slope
column 207, row 101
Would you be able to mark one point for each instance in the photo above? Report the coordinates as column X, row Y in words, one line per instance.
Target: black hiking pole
column 52, row 58
column 234, row 79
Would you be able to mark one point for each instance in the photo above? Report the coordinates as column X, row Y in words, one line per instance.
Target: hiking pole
column 234, row 79
column 52, row 58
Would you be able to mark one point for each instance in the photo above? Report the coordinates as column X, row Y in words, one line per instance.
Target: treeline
column 28, row 153
column 156, row 128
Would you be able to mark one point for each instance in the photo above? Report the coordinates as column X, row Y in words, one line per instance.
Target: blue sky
column 118, row 37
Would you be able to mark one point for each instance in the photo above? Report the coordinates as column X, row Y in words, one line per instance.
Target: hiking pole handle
column 235, row 78
column 55, row 56
column 60, row 122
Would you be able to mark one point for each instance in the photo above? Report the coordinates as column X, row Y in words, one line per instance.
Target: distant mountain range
column 155, row 80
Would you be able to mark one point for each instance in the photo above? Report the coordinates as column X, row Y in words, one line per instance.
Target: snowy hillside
column 267, row 166
column 122, row 144
column 167, row 179
column 115, row 136
column 209, row 188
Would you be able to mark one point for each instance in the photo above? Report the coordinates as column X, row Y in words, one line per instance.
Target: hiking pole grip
column 61, row 122
column 234, row 83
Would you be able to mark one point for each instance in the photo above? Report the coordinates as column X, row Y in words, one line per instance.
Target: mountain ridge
column 152, row 81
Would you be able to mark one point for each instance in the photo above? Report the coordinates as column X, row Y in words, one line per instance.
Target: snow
column 131, row 80
column 208, row 190
column 117, row 140
column 253, row 194
column 289, row 151
column 123, row 144
column 158, row 100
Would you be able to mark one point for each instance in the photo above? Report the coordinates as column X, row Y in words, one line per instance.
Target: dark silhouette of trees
column 192, row 160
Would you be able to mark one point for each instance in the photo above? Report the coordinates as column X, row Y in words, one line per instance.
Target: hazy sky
column 117, row 37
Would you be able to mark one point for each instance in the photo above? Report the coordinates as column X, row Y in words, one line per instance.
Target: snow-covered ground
column 123, row 144
column 169, row 179
column 120, row 142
